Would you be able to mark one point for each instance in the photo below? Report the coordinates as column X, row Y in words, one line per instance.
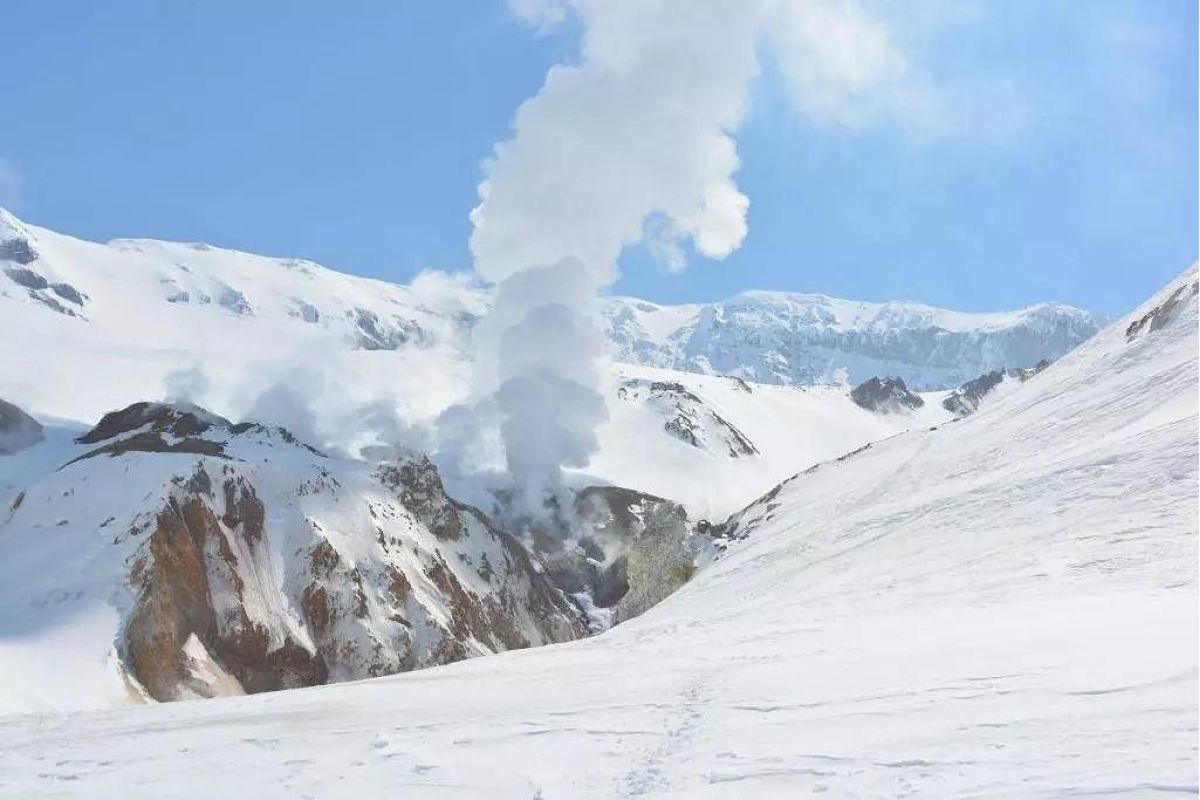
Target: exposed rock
column 263, row 565
column 153, row 442
column 885, row 395
column 18, row 430
column 653, row 534
column 233, row 300
column 631, row 551
column 26, row 277
column 304, row 311
column 190, row 587
column 41, row 289
column 966, row 399
column 372, row 333
column 18, row 250
column 1163, row 313
column 419, row 487
column 176, row 419
column 688, row 418
column 51, row 303
column 68, row 292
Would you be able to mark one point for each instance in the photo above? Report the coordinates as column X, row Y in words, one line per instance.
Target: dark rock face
column 179, row 420
column 26, row 277
column 1163, row 313
column 18, row 430
column 966, row 399
column 172, row 428
column 632, row 550
column 418, row 485
column 18, row 250
column 885, row 395
column 68, row 292
column 651, row 536
column 42, row 290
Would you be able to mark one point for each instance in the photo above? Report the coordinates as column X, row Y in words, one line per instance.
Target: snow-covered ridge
column 188, row 291
column 776, row 337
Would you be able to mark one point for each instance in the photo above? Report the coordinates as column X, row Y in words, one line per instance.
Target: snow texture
column 1002, row 606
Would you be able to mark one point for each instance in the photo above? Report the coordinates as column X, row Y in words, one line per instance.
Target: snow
column 151, row 310
column 792, row 428
column 1004, row 606
column 804, row 339
column 131, row 345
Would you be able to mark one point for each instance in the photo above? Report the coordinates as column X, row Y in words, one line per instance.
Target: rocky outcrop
column 1164, row 312
column 419, row 488
column 375, row 333
column 42, row 290
column 627, row 551
column 157, row 428
column 176, row 420
column 966, row 399
column 647, row 541
column 18, row 430
column 193, row 602
column 18, row 251
column 687, row 417
column 232, row 300
column 886, row 396
column 253, row 562
column 18, row 263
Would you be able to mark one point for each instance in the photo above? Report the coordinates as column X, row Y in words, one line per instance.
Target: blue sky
column 355, row 139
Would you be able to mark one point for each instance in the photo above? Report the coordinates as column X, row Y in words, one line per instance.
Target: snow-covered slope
column 123, row 318
column 1004, row 606
column 715, row 443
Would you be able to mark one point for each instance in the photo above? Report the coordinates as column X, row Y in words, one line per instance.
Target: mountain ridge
column 786, row 338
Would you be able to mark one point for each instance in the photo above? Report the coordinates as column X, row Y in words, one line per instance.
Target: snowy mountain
column 774, row 337
column 944, row 612
column 103, row 326
column 169, row 554
column 148, row 304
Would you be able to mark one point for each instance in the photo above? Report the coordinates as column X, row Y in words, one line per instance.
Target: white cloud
column 644, row 123
column 843, row 65
column 10, row 184
column 542, row 15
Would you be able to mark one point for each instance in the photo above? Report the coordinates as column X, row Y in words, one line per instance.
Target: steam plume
column 634, row 142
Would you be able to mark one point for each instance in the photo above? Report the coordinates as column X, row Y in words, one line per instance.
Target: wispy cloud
column 10, row 184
